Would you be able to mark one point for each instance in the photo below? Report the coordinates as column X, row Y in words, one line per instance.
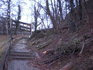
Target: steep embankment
column 63, row 51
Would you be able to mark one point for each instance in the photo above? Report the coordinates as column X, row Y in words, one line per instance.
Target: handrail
column 5, row 55
column 4, row 60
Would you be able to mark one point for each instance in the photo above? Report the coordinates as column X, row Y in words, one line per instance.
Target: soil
column 53, row 56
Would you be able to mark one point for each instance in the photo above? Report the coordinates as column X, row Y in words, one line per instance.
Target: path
column 20, row 56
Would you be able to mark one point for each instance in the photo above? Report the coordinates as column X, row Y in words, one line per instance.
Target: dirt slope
column 62, row 51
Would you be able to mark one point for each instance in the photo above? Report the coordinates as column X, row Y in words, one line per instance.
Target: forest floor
column 63, row 51
column 2, row 38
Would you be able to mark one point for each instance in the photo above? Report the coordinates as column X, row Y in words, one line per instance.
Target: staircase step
column 20, row 58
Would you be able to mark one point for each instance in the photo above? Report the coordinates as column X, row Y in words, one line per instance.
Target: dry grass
column 3, row 39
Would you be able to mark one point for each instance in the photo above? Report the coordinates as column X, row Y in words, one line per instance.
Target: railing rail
column 3, row 63
column 4, row 54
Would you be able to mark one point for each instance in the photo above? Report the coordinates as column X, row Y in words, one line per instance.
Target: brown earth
column 62, row 51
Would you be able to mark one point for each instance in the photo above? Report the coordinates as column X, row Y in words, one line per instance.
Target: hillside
column 70, row 50
column 65, row 50
column 46, row 35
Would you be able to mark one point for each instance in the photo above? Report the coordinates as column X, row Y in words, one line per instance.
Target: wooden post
column 30, row 29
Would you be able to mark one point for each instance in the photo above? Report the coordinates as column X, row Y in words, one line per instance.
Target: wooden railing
column 23, row 27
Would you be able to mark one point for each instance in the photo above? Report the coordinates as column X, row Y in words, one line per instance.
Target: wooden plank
column 25, row 27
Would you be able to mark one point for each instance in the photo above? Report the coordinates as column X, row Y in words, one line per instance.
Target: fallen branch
column 68, row 66
column 82, row 48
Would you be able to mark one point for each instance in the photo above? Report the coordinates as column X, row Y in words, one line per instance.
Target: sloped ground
column 3, row 47
column 3, row 39
column 62, row 51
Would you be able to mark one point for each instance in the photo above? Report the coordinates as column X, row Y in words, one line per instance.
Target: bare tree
column 18, row 18
column 36, row 17
column 8, row 16
column 56, row 14
column 72, row 15
column 54, row 9
column 53, row 19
